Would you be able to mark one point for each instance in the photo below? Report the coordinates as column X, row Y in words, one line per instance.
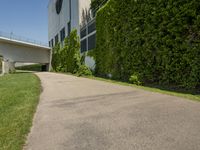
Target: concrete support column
column 48, row 66
column 11, row 67
column 8, row 67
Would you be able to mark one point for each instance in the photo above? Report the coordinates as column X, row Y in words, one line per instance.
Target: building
column 66, row 15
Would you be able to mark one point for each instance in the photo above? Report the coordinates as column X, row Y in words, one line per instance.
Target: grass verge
column 163, row 90
column 19, row 95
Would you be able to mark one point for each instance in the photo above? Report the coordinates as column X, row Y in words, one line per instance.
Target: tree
column 71, row 53
column 68, row 58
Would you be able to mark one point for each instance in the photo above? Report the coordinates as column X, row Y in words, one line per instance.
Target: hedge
column 159, row 41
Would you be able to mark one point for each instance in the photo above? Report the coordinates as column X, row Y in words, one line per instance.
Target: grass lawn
column 19, row 95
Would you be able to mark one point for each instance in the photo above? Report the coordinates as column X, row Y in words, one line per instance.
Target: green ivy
column 157, row 40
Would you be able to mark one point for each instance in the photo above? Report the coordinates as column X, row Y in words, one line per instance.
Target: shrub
column 84, row 71
column 134, row 80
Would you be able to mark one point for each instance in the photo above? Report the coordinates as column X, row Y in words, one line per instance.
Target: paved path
column 83, row 114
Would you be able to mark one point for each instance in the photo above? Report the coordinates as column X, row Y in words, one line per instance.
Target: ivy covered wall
column 159, row 41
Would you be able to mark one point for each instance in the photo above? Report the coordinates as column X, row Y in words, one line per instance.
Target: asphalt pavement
column 83, row 114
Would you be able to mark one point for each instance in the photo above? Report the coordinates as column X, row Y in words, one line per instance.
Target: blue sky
column 28, row 18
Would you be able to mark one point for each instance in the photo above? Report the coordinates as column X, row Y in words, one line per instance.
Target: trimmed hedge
column 157, row 40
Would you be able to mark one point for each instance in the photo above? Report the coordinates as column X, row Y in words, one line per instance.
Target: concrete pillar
column 8, row 67
column 4, row 68
column 11, row 67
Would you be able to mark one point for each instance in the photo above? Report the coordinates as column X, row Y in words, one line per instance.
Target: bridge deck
column 13, row 37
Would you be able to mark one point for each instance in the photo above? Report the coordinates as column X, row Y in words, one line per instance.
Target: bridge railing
column 12, row 36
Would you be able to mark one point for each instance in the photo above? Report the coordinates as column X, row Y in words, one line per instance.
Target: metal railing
column 12, row 36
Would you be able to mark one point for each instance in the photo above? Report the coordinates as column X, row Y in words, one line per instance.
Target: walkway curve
column 83, row 114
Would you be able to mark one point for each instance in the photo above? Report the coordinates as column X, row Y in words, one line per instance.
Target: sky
column 27, row 18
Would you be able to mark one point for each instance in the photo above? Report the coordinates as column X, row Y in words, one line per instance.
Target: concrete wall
column 57, row 21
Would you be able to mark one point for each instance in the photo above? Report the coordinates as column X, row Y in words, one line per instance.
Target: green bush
column 159, row 40
column 134, row 80
column 84, row 71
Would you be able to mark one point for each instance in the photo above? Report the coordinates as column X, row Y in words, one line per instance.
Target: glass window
column 56, row 39
column 83, row 45
column 69, row 28
column 62, row 35
column 83, row 33
column 92, row 27
column 52, row 43
column 92, row 42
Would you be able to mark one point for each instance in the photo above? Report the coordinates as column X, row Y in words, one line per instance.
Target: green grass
column 19, row 95
column 159, row 89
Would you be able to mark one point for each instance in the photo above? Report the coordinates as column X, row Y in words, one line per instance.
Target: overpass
column 14, row 49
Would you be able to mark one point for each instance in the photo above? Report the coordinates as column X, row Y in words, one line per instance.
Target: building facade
column 64, row 16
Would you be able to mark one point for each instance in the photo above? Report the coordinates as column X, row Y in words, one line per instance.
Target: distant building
column 66, row 15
